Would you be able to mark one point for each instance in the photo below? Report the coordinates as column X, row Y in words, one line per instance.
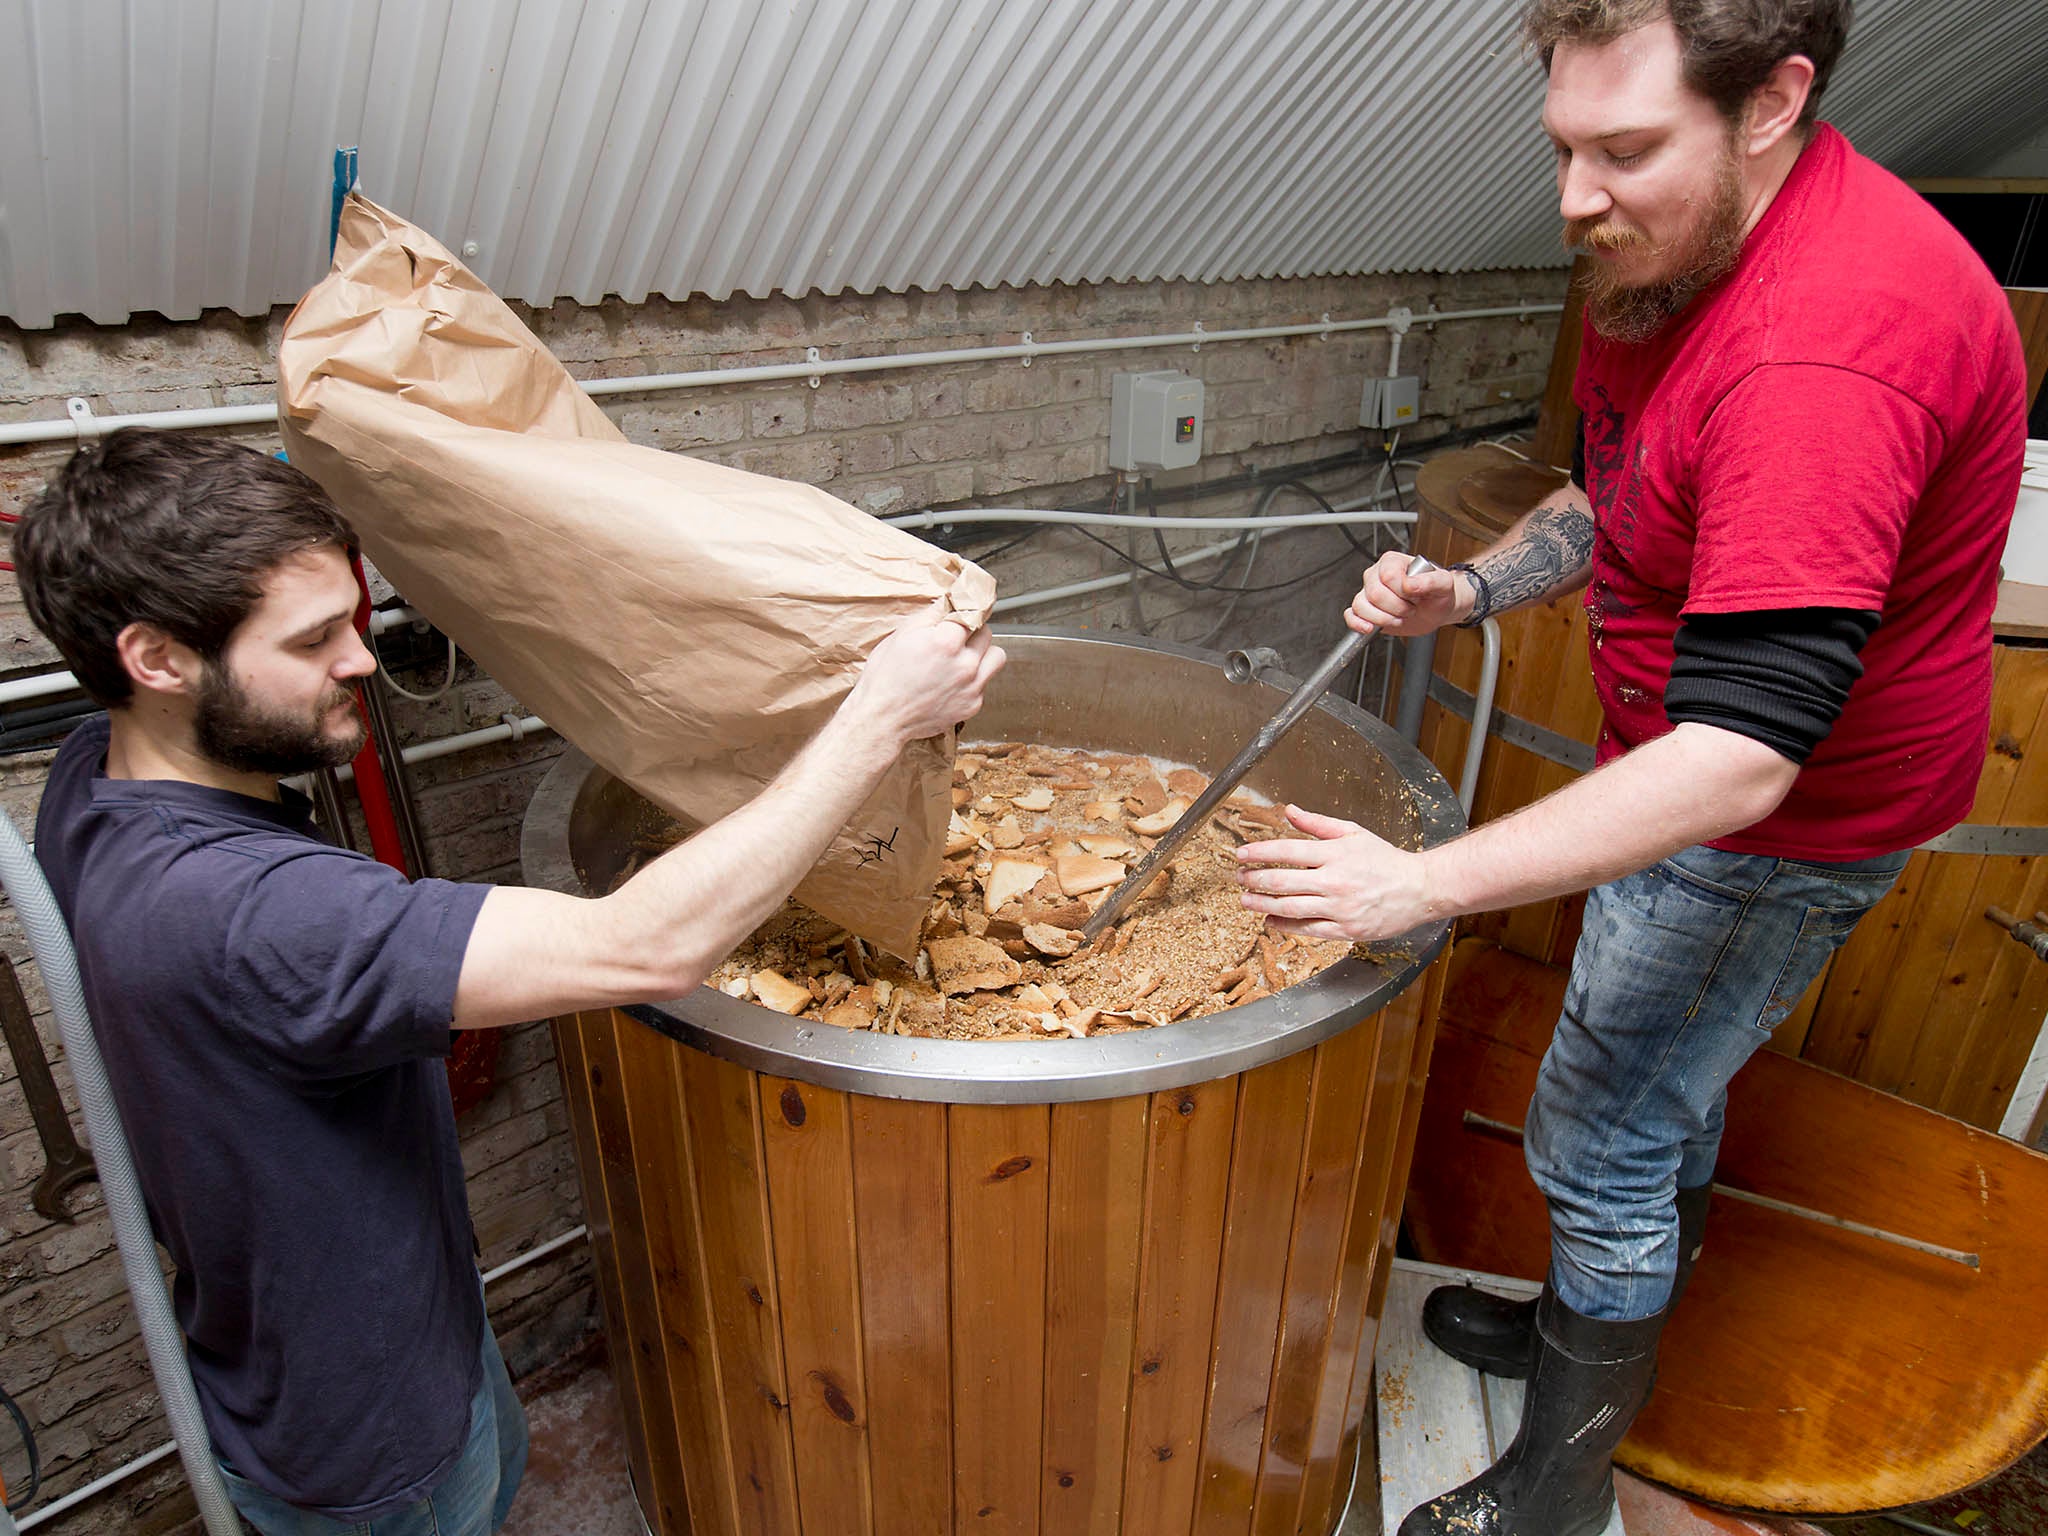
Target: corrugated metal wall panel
column 172, row 155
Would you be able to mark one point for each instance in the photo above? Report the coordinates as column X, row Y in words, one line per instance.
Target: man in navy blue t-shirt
column 273, row 1009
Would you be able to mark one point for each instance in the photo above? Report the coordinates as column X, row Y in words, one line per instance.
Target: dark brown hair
column 1731, row 46
column 161, row 528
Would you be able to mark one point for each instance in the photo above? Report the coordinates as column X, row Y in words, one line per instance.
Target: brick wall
column 977, row 434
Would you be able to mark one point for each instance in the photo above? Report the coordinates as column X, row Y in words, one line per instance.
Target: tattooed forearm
column 1548, row 552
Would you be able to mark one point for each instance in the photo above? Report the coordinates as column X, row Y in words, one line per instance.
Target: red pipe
column 371, row 787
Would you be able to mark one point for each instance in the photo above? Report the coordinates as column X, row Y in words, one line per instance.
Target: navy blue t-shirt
column 274, row 1012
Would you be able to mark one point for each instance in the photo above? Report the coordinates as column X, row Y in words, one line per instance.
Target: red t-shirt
column 1841, row 423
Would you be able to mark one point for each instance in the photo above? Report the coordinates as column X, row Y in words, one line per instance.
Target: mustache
column 1608, row 236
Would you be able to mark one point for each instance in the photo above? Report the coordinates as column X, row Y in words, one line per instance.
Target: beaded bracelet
column 1482, row 602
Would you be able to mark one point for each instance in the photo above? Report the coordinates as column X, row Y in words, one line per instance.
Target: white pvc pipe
column 513, row 728
column 1482, row 713
column 80, row 1494
column 1339, row 516
column 259, row 415
column 534, row 1255
column 1103, row 583
column 15, row 689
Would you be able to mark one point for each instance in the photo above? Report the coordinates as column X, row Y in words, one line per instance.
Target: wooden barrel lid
column 1501, row 493
column 1481, row 490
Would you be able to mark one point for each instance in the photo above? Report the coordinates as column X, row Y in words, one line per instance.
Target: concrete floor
column 576, row 1482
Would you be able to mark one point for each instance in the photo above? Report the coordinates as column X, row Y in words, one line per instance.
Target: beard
column 1699, row 256
column 236, row 732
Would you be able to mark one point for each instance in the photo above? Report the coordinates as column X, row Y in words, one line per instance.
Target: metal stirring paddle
column 1303, row 700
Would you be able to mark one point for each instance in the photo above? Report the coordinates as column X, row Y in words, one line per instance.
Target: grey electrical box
column 1155, row 420
column 1390, row 404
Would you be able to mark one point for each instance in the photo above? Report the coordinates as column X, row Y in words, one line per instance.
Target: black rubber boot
column 1498, row 1336
column 1589, row 1381
column 1487, row 1332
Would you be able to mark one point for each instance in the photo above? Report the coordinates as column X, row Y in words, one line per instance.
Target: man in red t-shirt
column 1804, row 423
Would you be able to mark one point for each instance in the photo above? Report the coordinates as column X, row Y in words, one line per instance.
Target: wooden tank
column 857, row 1283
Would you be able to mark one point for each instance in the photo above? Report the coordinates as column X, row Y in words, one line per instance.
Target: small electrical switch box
column 1155, row 420
column 1390, row 404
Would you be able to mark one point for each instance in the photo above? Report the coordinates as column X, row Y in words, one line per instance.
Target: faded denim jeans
column 471, row 1499
column 1681, row 973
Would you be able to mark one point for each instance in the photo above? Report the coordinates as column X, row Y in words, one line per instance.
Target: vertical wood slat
column 809, row 1165
column 1851, row 1031
column 1187, row 1183
column 1859, row 1028
column 1368, row 1238
column 1906, row 1053
column 1097, row 1201
column 900, row 1202
column 2005, row 986
column 1974, row 1077
column 1393, row 1113
column 651, row 1064
column 996, row 1164
column 601, row 1200
column 1839, row 1036
column 611, row 1096
column 1901, row 1034
column 732, row 1195
column 1272, row 1125
column 1343, row 1072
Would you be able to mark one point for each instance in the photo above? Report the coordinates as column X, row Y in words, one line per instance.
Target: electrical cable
column 1277, row 586
column 23, row 1499
column 1230, row 608
column 1138, row 619
column 1007, row 545
column 1165, row 559
column 399, row 688
column 1317, row 497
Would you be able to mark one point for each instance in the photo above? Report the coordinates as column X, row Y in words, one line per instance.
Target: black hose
column 41, row 737
column 1173, row 571
column 23, row 1499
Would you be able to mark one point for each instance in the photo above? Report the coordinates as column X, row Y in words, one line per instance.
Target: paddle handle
column 1298, row 704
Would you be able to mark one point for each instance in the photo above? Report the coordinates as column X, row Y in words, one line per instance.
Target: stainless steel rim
column 1056, row 1070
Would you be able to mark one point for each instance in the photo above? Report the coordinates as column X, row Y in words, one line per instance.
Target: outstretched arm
column 1691, row 785
column 537, row 953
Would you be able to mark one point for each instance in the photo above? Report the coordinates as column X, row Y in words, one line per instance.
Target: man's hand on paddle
column 1391, row 601
column 1345, row 883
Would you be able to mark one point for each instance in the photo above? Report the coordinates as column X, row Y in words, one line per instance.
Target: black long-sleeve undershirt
column 1776, row 675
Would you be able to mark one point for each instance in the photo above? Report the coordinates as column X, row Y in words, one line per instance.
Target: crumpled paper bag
column 687, row 625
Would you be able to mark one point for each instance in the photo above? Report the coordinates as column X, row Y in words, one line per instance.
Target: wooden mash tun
column 1867, row 1327
column 1130, row 1283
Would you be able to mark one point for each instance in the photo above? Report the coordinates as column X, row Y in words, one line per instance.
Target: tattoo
column 1554, row 551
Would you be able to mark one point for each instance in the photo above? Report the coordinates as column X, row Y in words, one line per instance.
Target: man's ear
column 1775, row 106
column 155, row 663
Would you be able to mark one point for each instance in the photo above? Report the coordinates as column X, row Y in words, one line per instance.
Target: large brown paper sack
column 687, row 625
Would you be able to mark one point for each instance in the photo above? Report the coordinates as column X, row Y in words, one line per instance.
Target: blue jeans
column 1681, row 973
column 471, row 1499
